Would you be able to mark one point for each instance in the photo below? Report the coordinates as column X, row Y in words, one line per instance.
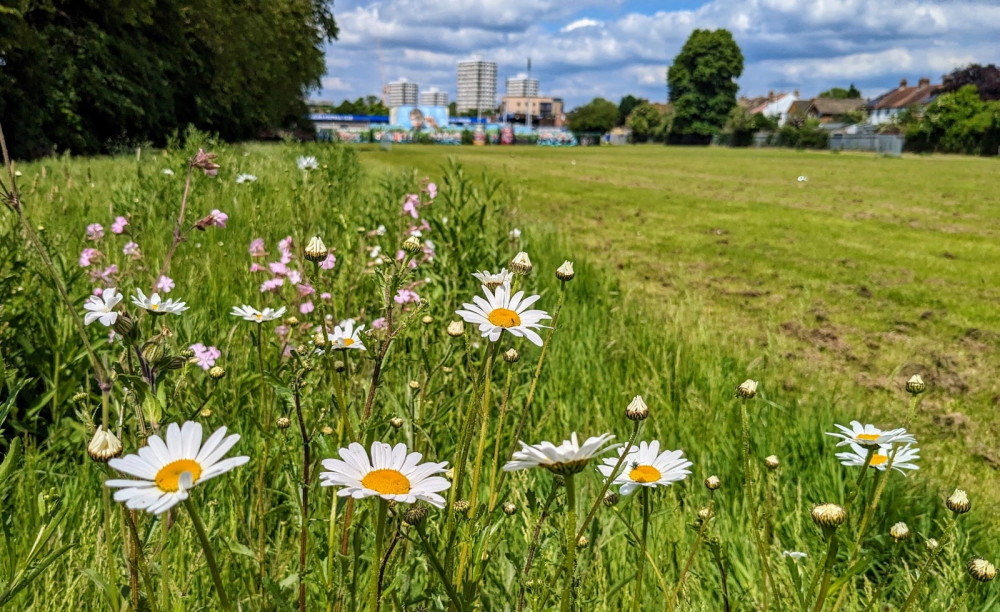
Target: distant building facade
column 544, row 110
column 401, row 93
column 434, row 97
column 477, row 85
column 775, row 105
column 522, row 87
column 889, row 105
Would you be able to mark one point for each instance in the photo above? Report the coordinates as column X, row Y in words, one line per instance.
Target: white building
column 774, row 106
column 477, row 85
column 401, row 93
column 434, row 97
column 522, row 87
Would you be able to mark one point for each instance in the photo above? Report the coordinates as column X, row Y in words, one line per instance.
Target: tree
column 957, row 122
column 985, row 78
column 839, row 93
column 598, row 115
column 625, row 107
column 644, row 121
column 702, row 84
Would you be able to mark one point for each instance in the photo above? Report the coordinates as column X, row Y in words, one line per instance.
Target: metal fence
column 886, row 144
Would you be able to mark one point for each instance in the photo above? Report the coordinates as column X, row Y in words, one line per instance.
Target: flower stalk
column 206, row 546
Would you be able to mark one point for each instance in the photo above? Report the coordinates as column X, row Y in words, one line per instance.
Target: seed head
column 521, row 264
column 931, row 544
column 565, row 271
column 104, row 446
column 511, row 355
column 610, row 498
column 828, row 515
column 899, row 531
column 509, row 508
column 915, row 386
column 958, row 502
column 396, row 422
column 79, row 396
column 712, row 483
column 461, row 505
column 456, row 329
column 747, row 390
column 316, row 250
column 415, row 514
column 217, row 372
column 283, row 422
column 637, row 410
column 981, row 569
column 771, row 461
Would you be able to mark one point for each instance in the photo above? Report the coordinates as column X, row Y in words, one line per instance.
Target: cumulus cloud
column 580, row 23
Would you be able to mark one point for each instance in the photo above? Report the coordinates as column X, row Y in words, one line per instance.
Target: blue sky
column 586, row 48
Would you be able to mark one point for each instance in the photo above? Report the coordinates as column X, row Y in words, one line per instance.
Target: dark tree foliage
column 598, row 115
column 957, row 122
column 626, row 106
column 985, row 78
column 90, row 76
column 702, row 84
column 839, row 93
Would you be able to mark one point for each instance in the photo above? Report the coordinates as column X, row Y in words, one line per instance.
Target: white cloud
column 581, row 23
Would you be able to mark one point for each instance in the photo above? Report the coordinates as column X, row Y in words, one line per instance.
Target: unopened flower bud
column 152, row 352
column 415, row 385
column 565, row 271
column 396, row 422
column 959, row 502
column 582, row 542
column 187, row 353
column 747, row 390
column 915, row 386
column 427, row 319
column 828, row 515
column 456, row 329
column 415, row 514
column 412, row 245
column 104, row 445
column 339, row 366
column 217, row 372
column 292, row 320
column 899, row 531
column 319, row 339
column 771, row 461
column 981, row 569
column 316, row 250
column 637, row 410
column 447, row 369
column 521, row 264
column 511, row 355
column 283, row 422
column 205, row 413
column 327, row 430
column 712, row 483
column 461, row 505
column 79, row 396
column 509, row 509
column 931, row 544
column 705, row 513
column 123, row 325
column 610, row 498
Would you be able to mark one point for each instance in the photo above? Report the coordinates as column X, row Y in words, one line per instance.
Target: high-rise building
column 401, row 93
column 433, row 97
column 522, row 87
column 477, row 85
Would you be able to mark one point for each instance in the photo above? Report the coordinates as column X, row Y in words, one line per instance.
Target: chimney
column 925, row 82
column 770, row 96
column 796, row 94
column 902, row 84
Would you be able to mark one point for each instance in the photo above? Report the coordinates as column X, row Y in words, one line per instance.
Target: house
column 826, row 109
column 889, row 105
column 775, row 106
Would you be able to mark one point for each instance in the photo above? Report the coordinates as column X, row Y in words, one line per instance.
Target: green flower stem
column 885, row 578
column 380, row 516
column 206, row 546
column 496, row 446
column 484, row 417
column 637, row 598
column 869, row 511
column 925, row 569
column 570, row 559
column 266, row 428
column 534, row 544
column 609, row 479
column 436, row 564
column 831, row 556
column 331, row 554
column 752, row 508
column 141, row 560
column 304, row 529
column 690, row 559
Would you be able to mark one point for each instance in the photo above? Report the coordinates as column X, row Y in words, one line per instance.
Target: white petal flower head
column 646, row 466
column 307, row 163
column 502, row 311
column 903, row 461
column 569, row 457
column 491, row 280
column 794, row 555
column 157, row 306
column 870, row 436
column 249, row 313
column 102, row 308
column 245, row 178
column 168, row 470
column 803, row 179
column 346, row 336
column 390, row 472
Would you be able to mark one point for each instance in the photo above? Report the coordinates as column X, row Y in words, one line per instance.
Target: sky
column 581, row 49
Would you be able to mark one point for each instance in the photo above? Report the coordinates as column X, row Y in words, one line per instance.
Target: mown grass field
column 695, row 269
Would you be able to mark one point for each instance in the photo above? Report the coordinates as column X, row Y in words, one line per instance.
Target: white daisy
column 168, row 172
column 794, row 555
column 869, row 435
column 101, row 308
column 803, row 179
column 345, row 336
column 646, row 466
column 245, row 178
column 569, row 457
column 391, row 474
column 307, row 163
column 502, row 311
column 169, row 469
column 491, row 280
column 249, row 313
column 156, row 306
column 905, row 456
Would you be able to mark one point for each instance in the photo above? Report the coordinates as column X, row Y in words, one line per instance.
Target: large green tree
column 702, row 84
column 626, row 106
column 598, row 115
column 644, row 121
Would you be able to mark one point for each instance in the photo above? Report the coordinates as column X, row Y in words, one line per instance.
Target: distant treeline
column 94, row 76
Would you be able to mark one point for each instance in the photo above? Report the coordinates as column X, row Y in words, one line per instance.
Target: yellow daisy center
column 878, row 459
column 154, row 306
column 868, row 436
column 644, row 473
column 503, row 317
column 348, row 341
column 387, row 482
column 259, row 316
column 168, row 476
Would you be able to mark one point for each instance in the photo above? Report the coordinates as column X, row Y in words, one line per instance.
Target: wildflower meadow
column 268, row 377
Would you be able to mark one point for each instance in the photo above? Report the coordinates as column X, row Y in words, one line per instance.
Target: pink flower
column 410, row 205
column 305, row 290
column 257, row 248
column 204, row 161
column 282, row 331
column 285, row 245
column 256, row 267
column 95, row 231
column 98, row 291
column 401, row 255
column 328, row 263
column 216, row 218
column 278, row 268
column 325, row 296
column 294, row 277
column 89, row 256
column 104, row 275
column 119, row 225
column 132, row 250
column 432, row 190
column 406, row 295
column 306, row 307
column 165, row 284
column 205, row 356
column 272, row 284
column 379, row 323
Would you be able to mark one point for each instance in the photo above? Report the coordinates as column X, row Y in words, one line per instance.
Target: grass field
column 695, row 270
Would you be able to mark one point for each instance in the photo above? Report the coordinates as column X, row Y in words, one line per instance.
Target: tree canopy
column 985, row 78
column 644, row 121
column 90, row 76
column 598, row 115
column 626, row 105
column 839, row 93
column 702, row 84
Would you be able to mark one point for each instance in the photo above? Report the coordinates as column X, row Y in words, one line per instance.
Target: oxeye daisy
column 345, row 336
column 157, row 306
column 101, row 308
column 870, row 436
column 493, row 280
column 390, row 473
column 167, row 470
column 570, row 457
column 502, row 311
column 905, row 456
column 646, row 466
column 249, row 313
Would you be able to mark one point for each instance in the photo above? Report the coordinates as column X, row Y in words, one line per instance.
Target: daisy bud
column 187, row 353
column 915, row 386
column 319, row 339
column 79, row 396
column 828, row 515
column 293, row 321
column 427, row 319
column 771, row 461
column 283, row 422
column 747, row 390
column 456, row 329
column 958, row 502
column 582, row 542
column 447, row 369
column 610, row 498
column 415, row 385
column 565, row 271
column 205, row 413
column 339, row 366
column 511, row 356
column 104, row 446
column 396, row 422
column 712, row 483
column 705, row 513
column 899, row 531
column 509, row 509
column 931, row 544
column 521, row 264
column 461, row 505
column 326, row 430
column 981, row 569
column 217, row 373
column 637, row 409
column 415, row 515
column 412, row 245
column 316, row 250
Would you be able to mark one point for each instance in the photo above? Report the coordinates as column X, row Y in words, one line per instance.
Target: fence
column 886, row 144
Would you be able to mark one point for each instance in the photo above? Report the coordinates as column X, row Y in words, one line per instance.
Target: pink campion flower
column 326, row 296
column 119, row 225
column 165, row 284
column 406, row 295
column 379, row 323
column 306, row 307
column 205, row 356
column 305, row 290
column 95, row 231
column 286, row 257
column 329, row 262
column 256, row 267
column 276, row 267
column 401, row 255
column 432, row 190
column 294, row 277
column 282, row 331
column 410, row 205
column 104, row 276
column 89, row 256
column 257, row 248
column 204, row 161
column 98, row 291
column 272, row 284
column 285, row 244
column 216, row 218
column 131, row 249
